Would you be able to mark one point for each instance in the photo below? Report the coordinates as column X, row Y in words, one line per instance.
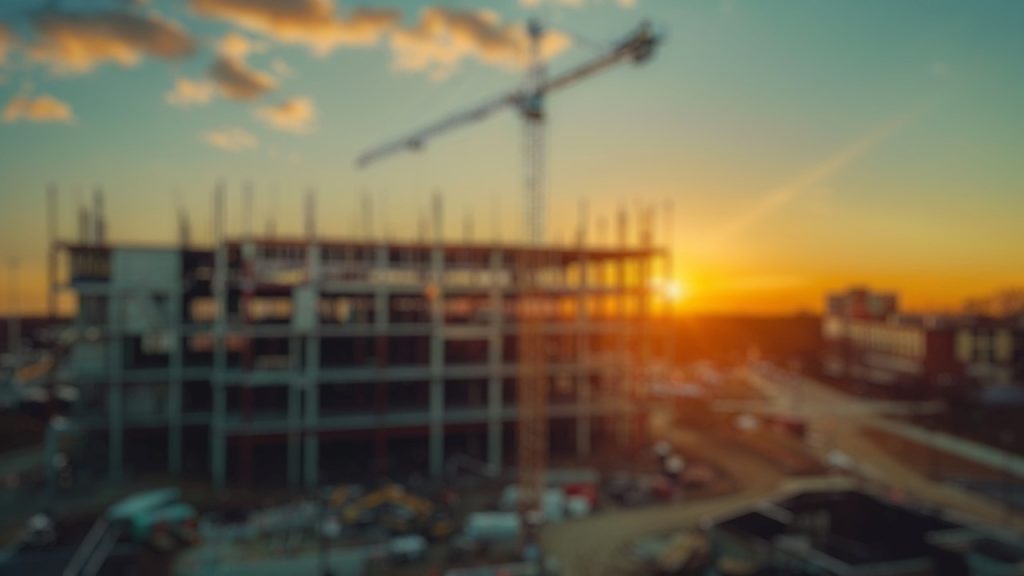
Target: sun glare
column 670, row 291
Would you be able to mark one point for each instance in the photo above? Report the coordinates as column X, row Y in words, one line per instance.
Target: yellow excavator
column 396, row 509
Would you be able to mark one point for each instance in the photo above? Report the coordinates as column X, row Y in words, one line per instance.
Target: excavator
column 398, row 510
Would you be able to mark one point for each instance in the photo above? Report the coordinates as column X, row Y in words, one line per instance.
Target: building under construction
column 309, row 360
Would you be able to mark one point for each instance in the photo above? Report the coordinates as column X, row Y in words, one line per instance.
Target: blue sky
column 803, row 144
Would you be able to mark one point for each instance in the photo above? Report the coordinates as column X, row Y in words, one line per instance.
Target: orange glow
column 675, row 291
column 669, row 293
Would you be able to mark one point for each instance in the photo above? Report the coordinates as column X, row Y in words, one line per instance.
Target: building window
column 202, row 310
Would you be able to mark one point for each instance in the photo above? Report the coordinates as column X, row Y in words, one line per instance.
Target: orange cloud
column 235, row 45
column 231, row 139
column 187, row 92
column 238, row 81
column 75, row 43
column 444, row 37
column 235, row 79
column 295, row 115
column 441, row 39
column 41, row 108
column 312, row 23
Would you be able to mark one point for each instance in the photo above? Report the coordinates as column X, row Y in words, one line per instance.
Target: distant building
column 302, row 361
column 868, row 340
column 849, row 533
column 992, row 349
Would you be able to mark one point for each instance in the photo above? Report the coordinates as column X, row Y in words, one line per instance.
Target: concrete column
column 610, row 382
column 51, row 251
column 436, row 385
column 381, row 310
column 312, row 387
column 645, row 359
column 115, row 388
column 645, row 269
column 218, row 440
column 436, row 295
column 495, row 353
column 295, row 386
column 175, row 380
column 625, row 376
column 583, row 368
column 312, row 376
column 381, row 321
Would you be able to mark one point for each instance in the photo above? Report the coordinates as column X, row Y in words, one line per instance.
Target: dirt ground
column 596, row 545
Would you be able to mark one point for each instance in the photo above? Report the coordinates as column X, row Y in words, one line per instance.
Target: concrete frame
column 605, row 276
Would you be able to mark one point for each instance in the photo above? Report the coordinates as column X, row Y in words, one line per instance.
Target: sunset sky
column 804, row 144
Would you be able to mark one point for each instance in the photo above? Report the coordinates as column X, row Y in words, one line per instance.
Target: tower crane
column 528, row 101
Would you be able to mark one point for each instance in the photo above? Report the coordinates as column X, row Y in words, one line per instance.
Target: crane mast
column 532, row 440
column 532, row 110
column 533, row 381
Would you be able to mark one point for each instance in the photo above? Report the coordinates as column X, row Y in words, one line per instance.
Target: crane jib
column 638, row 47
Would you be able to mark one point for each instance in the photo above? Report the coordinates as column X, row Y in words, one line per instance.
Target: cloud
column 6, row 40
column 235, row 45
column 436, row 44
column 74, row 43
column 41, row 108
column 235, row 79
column 295, row 115
column 187, row 93
column 445, row 37
column 238, row 81
column 311, row 23
column 231, row 139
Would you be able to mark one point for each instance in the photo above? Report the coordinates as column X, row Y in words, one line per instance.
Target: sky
column 787, row 148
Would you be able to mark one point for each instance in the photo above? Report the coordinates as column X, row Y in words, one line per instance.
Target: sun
column 675, row 291
column 670, row 291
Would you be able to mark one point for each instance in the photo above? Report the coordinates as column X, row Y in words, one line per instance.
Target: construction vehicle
column 529, row 102
column 399, row 511
column 157, row 518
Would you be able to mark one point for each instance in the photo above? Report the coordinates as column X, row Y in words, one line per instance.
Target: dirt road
column 596, row 545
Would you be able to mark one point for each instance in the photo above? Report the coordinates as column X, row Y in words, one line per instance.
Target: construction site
column 342, row 401
column 323, row 357
column 317, row 359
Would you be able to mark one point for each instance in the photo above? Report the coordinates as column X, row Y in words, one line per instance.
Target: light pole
column 323, row 551
column 1007, row 440
column 56, row 429
column 13, row 324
